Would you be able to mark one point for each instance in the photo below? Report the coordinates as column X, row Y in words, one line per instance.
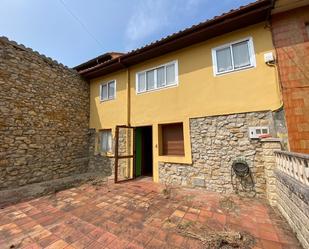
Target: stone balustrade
column 293, row 164
column 292, row 191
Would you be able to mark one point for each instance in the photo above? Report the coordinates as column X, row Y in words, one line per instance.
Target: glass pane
column 106, row 141
column 104, row 92
column 241, row 54
column 224, row 60
column 111, row 90
column 150, row 79
column 170, row 74
column 264, row 131
column 141, row 82
column 109, row 141
column 160, row 76
column 103, row 141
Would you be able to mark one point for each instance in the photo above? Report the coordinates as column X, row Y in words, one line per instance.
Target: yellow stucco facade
column 199, row 92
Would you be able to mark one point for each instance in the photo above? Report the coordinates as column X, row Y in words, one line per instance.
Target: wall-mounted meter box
column 258, row 131
column 269, row 57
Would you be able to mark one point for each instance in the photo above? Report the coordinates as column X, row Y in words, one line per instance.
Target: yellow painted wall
column 108, row 114
column 198, row 94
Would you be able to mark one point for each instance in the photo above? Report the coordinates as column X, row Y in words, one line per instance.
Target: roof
column 98, row 60
column 250, row 14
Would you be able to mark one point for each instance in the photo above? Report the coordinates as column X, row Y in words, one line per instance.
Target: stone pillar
column 269, row 145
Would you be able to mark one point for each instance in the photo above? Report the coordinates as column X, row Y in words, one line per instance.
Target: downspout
column 128, row 92
column 128, row 97
column 275, row 63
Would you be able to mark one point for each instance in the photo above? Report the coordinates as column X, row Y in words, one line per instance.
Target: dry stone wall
column 44, row 113
column 215, row 143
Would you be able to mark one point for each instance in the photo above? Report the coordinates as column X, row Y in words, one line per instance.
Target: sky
column 74, row 31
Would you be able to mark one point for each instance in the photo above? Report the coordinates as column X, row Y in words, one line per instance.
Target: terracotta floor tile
column 133, row 246
column 46, row 241
column 95, row 245
column 271, row 245
column 155, row 244
column 106, row 238
column 59, row 244
column 136, row 215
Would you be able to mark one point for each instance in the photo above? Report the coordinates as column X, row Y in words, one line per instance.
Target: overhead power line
column 81, row 23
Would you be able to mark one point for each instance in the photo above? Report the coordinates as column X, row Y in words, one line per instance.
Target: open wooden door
column 124, row 153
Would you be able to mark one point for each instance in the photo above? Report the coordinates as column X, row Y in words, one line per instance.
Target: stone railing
column 292, row 192
column 293, row 164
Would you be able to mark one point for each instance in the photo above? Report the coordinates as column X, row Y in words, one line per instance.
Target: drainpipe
column 128, row 92
column 128, row 98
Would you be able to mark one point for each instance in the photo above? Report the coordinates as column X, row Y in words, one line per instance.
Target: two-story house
column 196, row 101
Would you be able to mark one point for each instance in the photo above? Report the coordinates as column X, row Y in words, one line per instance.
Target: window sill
column 234, row 71
column 105, row 154
column 175, row 159
column 159, row 89
column 106, row 100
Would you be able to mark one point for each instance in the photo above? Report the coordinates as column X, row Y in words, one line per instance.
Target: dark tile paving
column 137, row 215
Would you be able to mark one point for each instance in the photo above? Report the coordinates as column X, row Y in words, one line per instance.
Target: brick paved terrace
column 141, row 214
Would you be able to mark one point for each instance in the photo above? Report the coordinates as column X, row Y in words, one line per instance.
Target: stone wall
column 98, row 163
column 293, row 203
column 44, row 114
column 105, row 164
column 269, row 146
column 215, row 143
column 291, row 40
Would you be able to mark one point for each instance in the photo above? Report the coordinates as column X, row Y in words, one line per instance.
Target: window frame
column 156, row 88
column 101, row 141
column 162, row 139
column 107, row 84
column 229, row 45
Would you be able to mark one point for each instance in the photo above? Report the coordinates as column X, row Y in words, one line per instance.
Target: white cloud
column 192, row 4
column 152, row 16
column 148, row 18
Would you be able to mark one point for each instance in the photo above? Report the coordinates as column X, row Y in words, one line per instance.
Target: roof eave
column 218, row 26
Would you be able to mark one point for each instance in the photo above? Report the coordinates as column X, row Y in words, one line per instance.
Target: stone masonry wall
column 44, row 113
column 269, row 146
column 291, row 40
column 105, row 165
column 293, row 203
column 215, row 143
column 97, row 162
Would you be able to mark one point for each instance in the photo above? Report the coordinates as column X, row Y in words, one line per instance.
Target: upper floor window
column 233, row 56
column 155, row 78
column 108, row 90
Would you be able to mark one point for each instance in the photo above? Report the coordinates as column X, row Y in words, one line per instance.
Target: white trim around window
column 235, row 56
column 159, row 77
column 108, row 90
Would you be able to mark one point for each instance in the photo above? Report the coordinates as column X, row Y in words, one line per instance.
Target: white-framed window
column 156, row 78
column 106, row 140
column 108, row 90
column 234, row 56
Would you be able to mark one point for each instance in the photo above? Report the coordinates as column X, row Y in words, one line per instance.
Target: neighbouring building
column 290, row 28
column 183, row 108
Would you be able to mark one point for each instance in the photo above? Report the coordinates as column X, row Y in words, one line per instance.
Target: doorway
column 143, row 147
